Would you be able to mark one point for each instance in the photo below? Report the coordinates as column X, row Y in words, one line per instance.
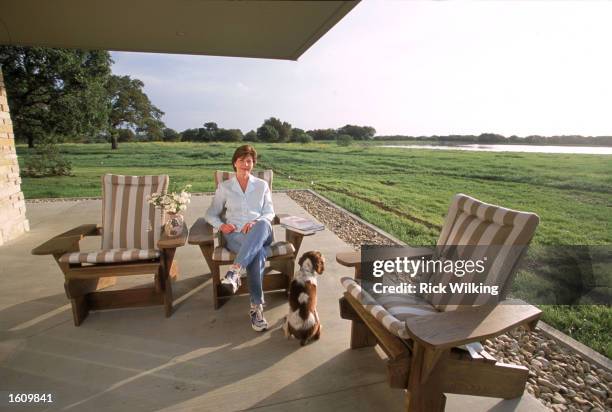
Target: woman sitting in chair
column 247, row 229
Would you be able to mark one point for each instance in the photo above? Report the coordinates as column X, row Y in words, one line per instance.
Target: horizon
column 408, row 68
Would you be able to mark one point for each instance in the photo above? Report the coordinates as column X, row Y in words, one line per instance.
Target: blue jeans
column 251, row 254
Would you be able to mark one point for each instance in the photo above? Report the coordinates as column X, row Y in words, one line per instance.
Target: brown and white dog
column 302, row 322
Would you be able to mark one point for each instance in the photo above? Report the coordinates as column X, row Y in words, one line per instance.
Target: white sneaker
column 231, row 282
column 258, row 322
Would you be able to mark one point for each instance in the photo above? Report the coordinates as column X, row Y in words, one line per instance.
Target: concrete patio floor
column 198, row 359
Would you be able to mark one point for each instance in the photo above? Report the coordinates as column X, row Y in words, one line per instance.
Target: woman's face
column 244, row 164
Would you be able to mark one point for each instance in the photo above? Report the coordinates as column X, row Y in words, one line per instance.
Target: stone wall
column 13, row 220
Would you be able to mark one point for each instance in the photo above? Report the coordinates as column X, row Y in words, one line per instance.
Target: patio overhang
column 263, row 29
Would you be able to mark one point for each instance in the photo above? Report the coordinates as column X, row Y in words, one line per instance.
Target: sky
column 410, row 68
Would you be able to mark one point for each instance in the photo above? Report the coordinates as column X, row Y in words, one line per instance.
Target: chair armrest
column 353, row 258
column 66, row 241
column 201, row 233
column 349, row 259
column 449, row 329
column 291, row 233
column 167, row 242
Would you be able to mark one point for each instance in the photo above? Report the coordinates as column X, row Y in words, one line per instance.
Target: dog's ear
column 317, row 261
column 306, row 264
column 310, row 261
column 303, row 258
column 320, row 263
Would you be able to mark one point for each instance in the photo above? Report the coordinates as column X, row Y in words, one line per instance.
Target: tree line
column 494, row 138
column 66, row 95
column 273, row 130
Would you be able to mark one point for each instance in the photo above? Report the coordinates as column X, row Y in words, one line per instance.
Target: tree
column 126, row 135
column 295, row 133
column 171, row 135
column 283, row 128
column 267, row 133
column 323, row 134
column 229, row 135
column 491, row 138
column 300, row 136
column 131, row 107
column 344, row 140
column 152, row 131
column 209, row 131
column 304, row 138
column 189, row 135
column 251, row 136
column 55, row 92
column 211, row 127
column 358, row 132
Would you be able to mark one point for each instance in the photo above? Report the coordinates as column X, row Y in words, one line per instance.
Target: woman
column 247, row 229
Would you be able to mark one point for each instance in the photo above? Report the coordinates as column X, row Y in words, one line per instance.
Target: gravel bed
column 560, row 379
column 344, row 226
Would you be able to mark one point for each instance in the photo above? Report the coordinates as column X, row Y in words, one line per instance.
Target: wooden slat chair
column 281, row 254
column 421, row 334
column 133, row 243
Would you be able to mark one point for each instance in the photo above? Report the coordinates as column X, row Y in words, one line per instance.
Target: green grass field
column 405, row 192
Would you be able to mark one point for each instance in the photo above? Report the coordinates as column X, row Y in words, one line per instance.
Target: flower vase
column 174, row 224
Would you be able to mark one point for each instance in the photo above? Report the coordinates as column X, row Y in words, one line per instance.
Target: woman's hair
column 242, row 151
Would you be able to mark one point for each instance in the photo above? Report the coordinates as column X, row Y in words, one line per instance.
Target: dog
column 302, row 322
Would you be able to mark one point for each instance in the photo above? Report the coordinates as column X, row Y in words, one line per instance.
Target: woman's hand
column 227, row 228
column 247, row 227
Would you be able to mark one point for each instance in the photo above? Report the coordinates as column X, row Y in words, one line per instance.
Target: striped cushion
column 275, row 249
column 502, row 236
column 266, row 175
column 110, row 256
column 392, row 310
column 128, row 221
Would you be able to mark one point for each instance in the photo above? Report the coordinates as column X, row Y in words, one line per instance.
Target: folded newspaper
column 301, row 224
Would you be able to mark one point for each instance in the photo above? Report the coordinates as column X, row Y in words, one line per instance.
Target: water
column 512, row 148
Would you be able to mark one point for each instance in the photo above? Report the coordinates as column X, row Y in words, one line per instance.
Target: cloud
column 409, row 68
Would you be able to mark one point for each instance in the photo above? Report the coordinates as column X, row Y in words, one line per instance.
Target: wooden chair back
column 128, row 220
column 474, row 230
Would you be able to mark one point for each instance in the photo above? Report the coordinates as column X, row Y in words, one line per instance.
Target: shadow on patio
column 198, row 359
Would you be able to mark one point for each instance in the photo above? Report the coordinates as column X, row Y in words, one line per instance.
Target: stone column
column 13, row 220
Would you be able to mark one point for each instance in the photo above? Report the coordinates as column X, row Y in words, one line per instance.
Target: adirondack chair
column 421, row 335
column 281, row 254
column 133, row 243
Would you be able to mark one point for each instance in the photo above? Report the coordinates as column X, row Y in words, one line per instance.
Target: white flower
column 171, row 202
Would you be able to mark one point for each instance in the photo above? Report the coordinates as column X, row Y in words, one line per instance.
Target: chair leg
column 424, row 400
column 216, row 278
column 288, row 270
column 424, row 389
column 77, row 291
column 166, row 269
column 168, row 297
column 80, row 310
column 174, row 270
column 361, row 336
